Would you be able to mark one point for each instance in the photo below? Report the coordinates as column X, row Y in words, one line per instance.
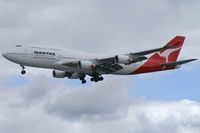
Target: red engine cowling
column 122, row 59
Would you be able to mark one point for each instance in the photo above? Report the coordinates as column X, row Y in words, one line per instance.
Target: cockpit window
column 18, row 45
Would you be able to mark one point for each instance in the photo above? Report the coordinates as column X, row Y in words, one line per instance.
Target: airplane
column 76, row 65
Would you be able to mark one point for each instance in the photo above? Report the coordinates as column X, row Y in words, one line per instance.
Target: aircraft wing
column 107, row 65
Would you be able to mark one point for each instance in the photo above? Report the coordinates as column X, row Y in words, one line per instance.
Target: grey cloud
column 97, row 101
column 37, row 91
column 145, row 117
column 103, row 107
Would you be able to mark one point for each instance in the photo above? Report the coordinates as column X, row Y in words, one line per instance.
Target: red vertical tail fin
column 162, row 57
column 171, row 54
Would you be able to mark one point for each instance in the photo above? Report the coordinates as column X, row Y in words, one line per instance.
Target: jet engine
column 63, row 74
column 59, row 74
column 86, row 65
column 123, row 59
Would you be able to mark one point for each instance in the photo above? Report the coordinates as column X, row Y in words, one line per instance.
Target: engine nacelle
column 59, row 74
column 74, row 76
column 122, row 59
column 86, row 65
column 63, row 74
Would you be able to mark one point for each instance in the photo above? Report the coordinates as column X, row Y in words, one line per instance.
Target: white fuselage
column 43, row 57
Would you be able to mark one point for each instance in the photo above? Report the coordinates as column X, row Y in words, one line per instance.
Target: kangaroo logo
column 167, row 52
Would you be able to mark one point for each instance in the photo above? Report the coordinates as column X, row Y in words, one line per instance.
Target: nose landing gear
column 23, row 70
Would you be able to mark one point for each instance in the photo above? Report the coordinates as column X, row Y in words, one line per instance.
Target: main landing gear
column 23, row 70
column 82, row 78
column 97, row 78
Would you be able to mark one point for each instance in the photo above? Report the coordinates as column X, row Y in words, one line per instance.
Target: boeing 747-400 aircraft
column 76, row 65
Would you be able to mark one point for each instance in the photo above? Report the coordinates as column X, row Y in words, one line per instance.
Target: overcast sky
column 165, row 102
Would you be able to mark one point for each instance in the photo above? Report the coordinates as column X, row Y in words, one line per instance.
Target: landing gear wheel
column 96, row 79
column 82, row 78
column 83, row 81
column 100, row 78
column 23, row 72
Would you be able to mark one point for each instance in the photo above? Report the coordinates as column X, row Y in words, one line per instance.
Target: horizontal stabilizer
column 171, row 64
